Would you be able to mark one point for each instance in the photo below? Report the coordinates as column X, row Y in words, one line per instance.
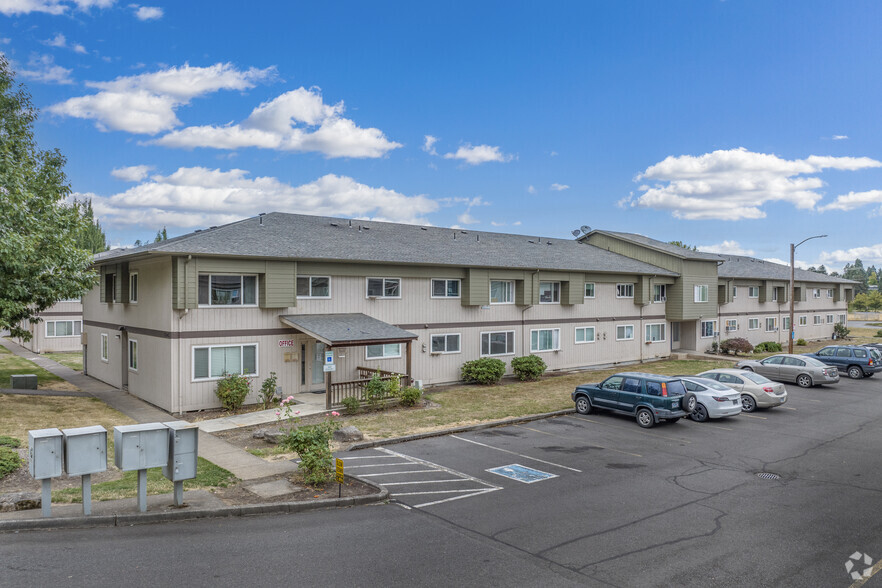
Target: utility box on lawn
column 183, row 446
column 85, row 450
column 24, row 381
column 45, row 453
column 138, row 447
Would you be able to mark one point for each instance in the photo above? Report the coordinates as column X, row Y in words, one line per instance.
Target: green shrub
column 351, row 404
column 375, row 391
column 767, row 347
column 313, row 444
column 7, row 441
column 878, row 333
column 802, row 343
column 409, row 396
column 268, row 390
column 485, row 371
column 528, row 369
column 840, row 331
column 232, row 390
column 394, row 386
column 9, row 460
column 736, row 345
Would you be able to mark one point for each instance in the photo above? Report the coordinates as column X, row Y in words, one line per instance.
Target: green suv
column 648, row 397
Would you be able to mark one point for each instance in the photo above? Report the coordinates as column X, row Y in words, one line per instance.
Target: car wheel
column 699, row 415
column 583, row 406
column 804, row 380
column 748, row 404
column 855, row 373
column 688, row 403
column 645, row 418
column 747, row 368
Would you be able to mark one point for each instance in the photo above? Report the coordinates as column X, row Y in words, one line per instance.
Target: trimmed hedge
column 484, row 371
column 528, row 369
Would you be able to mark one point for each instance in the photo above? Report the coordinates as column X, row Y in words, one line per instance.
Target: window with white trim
column 383, row 287
column 816, row 293
column 842, row 319
column 753, row 291
column 803, row 320
column 133, row 355
column 771, row 324
column 382, row 351
column 829, row 292
column 212, row 362
column 624, row 290
column 708, row 328
column 544, row 340
column 313, row 286
column 227, row 290
column 501, row 292
column 731, row 324
column 752, row 324
column 819, row 320
column 446, row 343
column 734, row 292
column 549, row 292
column 498, row 343
column 442, row 288
column 774, row 294
column 829, row 319
column 659, row 293
column 655, row 332
column 104, row 349
column 133, row 288
column 624, row 332
column 64, row 328
column 584, row 335
column 701, row 293
column 785, row 323
column 589, row 290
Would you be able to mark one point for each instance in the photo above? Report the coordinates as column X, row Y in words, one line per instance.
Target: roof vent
column 424, row 228
column 464, row 232
column 198, row 231
column 367, row 228
column 531, row 241
column 454, row 235
column 335, row 225
column 477, row 237
column 213, row 227
column 350, row 223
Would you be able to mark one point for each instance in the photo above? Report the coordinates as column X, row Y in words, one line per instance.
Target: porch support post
column 328, row 385
column 409, row 363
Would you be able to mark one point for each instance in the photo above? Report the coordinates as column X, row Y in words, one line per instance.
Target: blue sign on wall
column 521, row 473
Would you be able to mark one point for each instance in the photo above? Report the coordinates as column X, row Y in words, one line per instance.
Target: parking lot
column 776, row 497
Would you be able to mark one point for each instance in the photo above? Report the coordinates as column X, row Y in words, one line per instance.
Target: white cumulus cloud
column 559, row 187
column 60, row 41
column 854, row 200
column 16, row 7
column 298, row 120
column 429, row 145
column 475, row 155
column 730, row 247
column 132, row 173
column 42, row 68
column 146, row 103
column 840, row 137
column 869, row 255
column 734, row 184
column 147, row 12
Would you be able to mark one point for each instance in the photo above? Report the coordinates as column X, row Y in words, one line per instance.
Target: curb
column 146, row 518
column 466, row 429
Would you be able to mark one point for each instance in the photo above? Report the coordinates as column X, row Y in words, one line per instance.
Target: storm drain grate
column 768, row 476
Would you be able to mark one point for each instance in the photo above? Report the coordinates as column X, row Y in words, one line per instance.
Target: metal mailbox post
column 138, row 447
column 183, row 447
column 44, row 461
column 85, row 453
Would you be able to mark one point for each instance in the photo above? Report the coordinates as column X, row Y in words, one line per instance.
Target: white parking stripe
column 395, row 473
column 551, row 463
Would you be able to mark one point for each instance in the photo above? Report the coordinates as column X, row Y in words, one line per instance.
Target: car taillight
column 664, row 389
column 720, row 398
column 871, row 362
column 768, row 389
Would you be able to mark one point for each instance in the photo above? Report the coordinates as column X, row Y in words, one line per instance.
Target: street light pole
column 792, row 271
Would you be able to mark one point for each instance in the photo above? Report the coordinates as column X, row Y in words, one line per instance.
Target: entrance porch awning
column 346, row 330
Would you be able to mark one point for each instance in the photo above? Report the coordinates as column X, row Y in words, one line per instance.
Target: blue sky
column 736, row 126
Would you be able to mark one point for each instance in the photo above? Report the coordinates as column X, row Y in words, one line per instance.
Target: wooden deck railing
column 356, row 388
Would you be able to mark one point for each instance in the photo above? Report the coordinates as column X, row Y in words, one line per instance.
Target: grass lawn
column 71, row 359
column 471, row 404
column 11, row 364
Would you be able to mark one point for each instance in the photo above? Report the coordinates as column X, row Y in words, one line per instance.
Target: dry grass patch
column 11, row 364
column 20, row 413
column 71, row 359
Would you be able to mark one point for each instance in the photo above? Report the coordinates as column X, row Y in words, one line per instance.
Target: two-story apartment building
column 59, row 329
column 278, row 292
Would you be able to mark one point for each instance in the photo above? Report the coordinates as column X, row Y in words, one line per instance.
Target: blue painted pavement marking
column 521, row 473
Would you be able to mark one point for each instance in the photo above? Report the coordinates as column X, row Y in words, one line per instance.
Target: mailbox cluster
column 173, row 446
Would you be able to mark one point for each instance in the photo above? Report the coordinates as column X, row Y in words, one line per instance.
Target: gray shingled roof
column 739, row 266
column 343, row 329
column 302, row 237
column 674, row 250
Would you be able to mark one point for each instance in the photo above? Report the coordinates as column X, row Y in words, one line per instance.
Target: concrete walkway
column 237, row 461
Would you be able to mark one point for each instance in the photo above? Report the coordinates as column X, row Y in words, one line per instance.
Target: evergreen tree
column 92, row 237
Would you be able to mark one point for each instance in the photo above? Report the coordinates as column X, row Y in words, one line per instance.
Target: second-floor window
column 701, row 293
column 445, row 288
column 816, row 293
column 227, row 290
column 549, row 292
column 133, row 288
column 829, row 292
column 313, row 286
column 624, row 290
column 753, row 291
column 501, row 292
column 384, row 287
column 659, row 293
column 589, row 290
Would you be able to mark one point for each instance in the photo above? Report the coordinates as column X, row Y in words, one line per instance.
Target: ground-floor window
column 752, row 324
column 104, row 350
column 218, row 360
column 803, row 320
column 447, row 343
column 133, row 355
column 708, row 328
column 385, row 351
column 624, row 332
column 785, row 322
column 63, row 328
column 584, row 334
column 544, row 340
column 498, row 343
column 842, row 318
column 771, row 324
column 829, row 319
column 819, row 319
column 655, row 332
column 732, row 325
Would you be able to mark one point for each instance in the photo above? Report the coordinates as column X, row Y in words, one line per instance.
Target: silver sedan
column 785, row 367
column 714, row 400
column 756, row 391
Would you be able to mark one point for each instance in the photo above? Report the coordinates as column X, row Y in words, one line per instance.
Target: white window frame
column 659, row 293
column 818, row 320
column 133, row 355
column 511, row 289
column 241, row 281
column 829, row 292
column 816, row 292
column 134, row 286
column 753, row 291
column 625, row 338
column 628, row 289
column 445, row 336
column 555, row 340
column 662, row 332
column 830, row 319
column 701, row 293
column 803, row 320
column 488, row 333
column 734, row 292
column 555, row 293
column 731, row 325
column 593, row 290
column 593, row 335
column 713, row 329
column 211, row 378
column 774, row 320
column 750, row 321
column 785, row 323
column 310, row 296
column 384, row 356
column 383, row 297
column 446, row 283
column 774, row 294
column 843, row 318
column 105, row 348
column 74, row 331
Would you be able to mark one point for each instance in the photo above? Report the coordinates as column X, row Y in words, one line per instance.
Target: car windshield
column 755, row 378
column 714, row 385
column 676, row 388
column 815, row 362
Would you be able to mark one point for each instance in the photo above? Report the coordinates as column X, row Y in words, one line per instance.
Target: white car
column 756, row 391
column 714, row 400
